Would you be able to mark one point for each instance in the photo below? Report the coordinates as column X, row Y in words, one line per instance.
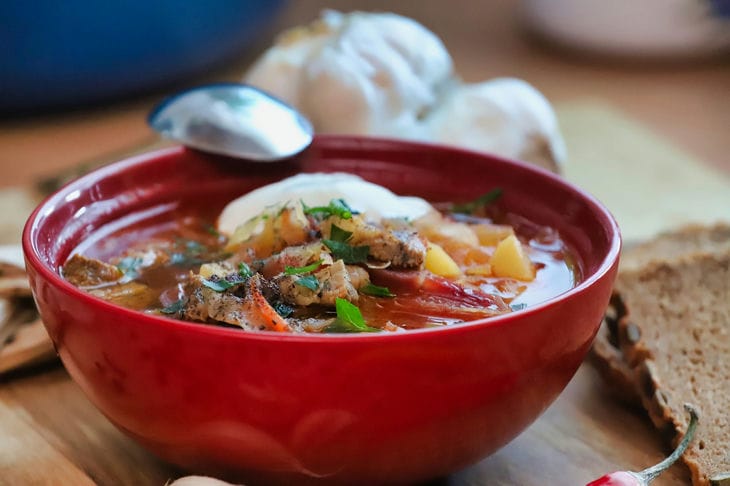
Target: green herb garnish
column 129, row 266
column 347, row 253
column 308, row 281
column 282, row 309
column 349, row 319
column 195, row 247
column 338, row 234
column 244, row 270
column 516, row 307
column 299, row 270
column 376, row 291
column 481, row 201
column 189, row 253
column 221, row 285
column 174, row 308
column 210, row 229
column 336, row 207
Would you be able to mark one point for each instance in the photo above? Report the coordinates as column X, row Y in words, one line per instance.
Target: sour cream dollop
column 318, row 189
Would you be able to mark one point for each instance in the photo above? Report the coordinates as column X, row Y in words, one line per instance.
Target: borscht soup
column 329, row 253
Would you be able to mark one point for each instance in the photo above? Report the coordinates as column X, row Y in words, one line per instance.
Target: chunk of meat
column 260, row 313
column 133, row 295
column 402, row 247
column 251, row 312
column 82, row 271
column 196, row 307
column 294, row 256
column 333, row 282
column 359, row 277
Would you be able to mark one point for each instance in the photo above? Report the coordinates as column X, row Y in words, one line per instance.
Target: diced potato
column 510, row 260
column 492, row 234
column 440, row 263
column 207, row 270
column 484, row 270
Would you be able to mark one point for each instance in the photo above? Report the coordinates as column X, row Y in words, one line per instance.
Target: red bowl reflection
column 346, row 408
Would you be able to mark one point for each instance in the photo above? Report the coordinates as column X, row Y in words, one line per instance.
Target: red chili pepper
column 643, row 478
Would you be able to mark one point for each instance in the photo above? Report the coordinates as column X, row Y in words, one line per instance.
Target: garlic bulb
column 361, row 73
column 384, row 74
column 505, row 116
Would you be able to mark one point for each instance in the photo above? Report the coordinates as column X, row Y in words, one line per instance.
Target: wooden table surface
column 51, row 434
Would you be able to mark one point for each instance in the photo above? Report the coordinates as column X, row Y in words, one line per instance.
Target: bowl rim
column 329, row 141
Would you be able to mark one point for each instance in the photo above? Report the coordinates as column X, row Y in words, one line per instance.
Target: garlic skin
column 387, row 75
column 359, row 73
column 505, row 116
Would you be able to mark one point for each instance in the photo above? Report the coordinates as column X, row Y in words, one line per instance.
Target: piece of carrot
column 261, row 310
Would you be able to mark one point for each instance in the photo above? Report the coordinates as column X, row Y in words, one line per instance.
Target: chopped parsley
column 244, row 270
column 347, row 253
column 308, row 281
column 349, row 319
column 188, row 253
column 282, row 309
column 376, row 291
column 516, row 307
column 481, row 201
column 174, row 308
column 221, row 285
column 193, row 246
column 341, row 250
column 130, row 266
column 210, row 229
column 336, row 207
column 299, row 270
column 338, row 234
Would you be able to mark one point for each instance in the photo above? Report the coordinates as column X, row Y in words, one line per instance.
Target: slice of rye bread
column 693, row 238
column 676, row 339
column 607, row 358
column 605, row 355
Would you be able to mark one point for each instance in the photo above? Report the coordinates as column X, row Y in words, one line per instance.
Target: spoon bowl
column 233, row 119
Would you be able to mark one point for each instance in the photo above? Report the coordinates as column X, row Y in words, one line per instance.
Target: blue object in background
column 62, row 53
column 720, row 8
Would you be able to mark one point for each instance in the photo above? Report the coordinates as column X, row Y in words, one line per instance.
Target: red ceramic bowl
column 345, row 408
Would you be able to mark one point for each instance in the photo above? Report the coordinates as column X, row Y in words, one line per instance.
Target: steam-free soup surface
column 325, row 269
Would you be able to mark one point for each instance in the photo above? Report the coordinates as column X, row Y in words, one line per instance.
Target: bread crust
column 671, row 344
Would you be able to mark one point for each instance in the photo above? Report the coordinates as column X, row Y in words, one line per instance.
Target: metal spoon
column 233, row 119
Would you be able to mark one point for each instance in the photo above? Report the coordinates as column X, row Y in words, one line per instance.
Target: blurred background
column 78, row 77
column 641, row 91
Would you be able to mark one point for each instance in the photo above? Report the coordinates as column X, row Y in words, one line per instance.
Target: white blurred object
column 628, row 27
column 357, row 73
column 505, row 116
column 384, row 74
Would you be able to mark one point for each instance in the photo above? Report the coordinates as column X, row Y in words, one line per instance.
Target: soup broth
column 296, row 268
